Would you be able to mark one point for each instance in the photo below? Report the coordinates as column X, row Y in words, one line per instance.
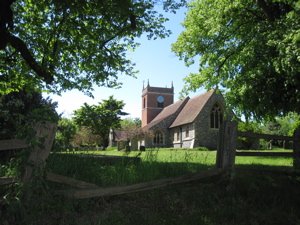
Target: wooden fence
column 227, row 142
column 45, row 135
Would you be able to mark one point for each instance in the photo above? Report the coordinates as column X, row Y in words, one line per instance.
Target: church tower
column 154, row 99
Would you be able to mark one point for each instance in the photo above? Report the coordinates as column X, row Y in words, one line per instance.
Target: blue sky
column 155, row 63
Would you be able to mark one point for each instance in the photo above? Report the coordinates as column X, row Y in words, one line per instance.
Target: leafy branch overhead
column 249, row 48
column 70, row 44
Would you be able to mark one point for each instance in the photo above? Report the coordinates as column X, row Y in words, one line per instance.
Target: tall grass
column 154, row 164
column 248, row 199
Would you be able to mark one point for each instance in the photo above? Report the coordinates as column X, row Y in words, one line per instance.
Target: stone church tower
column 154, row 99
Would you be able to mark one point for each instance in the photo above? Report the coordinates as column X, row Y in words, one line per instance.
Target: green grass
column 246, row 200
column 155, row 164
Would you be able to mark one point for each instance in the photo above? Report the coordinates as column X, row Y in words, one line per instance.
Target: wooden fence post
column 45, row 134
column 227, row 146
column 296, row 149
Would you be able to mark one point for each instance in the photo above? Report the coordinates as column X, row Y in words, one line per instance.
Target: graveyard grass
column 247, row 199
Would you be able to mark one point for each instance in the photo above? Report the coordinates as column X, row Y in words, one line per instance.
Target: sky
column 154, row 61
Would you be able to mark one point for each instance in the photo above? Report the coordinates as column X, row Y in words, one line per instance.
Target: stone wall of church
column 205, row 136
column 186, row 137
column 167, row 134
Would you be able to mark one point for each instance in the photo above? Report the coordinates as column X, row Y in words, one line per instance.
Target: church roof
column 192, row 109
column 167, row 112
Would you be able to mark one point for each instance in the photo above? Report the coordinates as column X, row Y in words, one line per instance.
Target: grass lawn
column 245, row 200
column 155, row 164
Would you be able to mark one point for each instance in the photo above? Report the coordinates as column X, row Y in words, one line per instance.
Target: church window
column 216, row 116
column 178, row 134
column 187, row 131
column 158, row 137
column 144, row 103
column 174, row 135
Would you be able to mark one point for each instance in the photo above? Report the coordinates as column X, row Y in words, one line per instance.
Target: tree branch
column 20, row 46
column 265, row 9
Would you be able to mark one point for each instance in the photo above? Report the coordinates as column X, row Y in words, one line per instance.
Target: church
column 187, row 123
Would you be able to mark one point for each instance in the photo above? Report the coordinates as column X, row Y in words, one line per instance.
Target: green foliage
column 100, row 118
column 284, row 125
column 19, row 109
column 66, row 129
column 294, row 127
column 130, row 122
column 202, row 149
column 74, row 44
column 247, row 142
column 249, row 48
column 84, row 136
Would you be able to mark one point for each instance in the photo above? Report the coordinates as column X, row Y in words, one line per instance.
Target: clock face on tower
column 160, row 99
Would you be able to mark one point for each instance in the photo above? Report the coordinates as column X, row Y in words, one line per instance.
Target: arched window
column 158, row 137
column 216, row 116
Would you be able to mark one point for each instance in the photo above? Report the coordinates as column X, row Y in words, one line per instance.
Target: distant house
column 188, row 123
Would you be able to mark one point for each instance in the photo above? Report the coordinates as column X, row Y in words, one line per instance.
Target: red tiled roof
column 166, row 112
column 192, row 109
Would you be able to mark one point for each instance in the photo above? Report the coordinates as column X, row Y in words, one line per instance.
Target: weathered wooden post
column 296, row 150
column 227, row 146
column 45, row 134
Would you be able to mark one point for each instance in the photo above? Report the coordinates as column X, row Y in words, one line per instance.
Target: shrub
column 202, row 148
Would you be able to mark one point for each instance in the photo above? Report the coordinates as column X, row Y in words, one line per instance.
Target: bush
column 202, row 148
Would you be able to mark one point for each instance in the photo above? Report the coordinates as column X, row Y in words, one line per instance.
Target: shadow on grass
column 110, row 171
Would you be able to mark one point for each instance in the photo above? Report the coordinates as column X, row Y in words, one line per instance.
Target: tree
column 66, row 129
column 249, row 48
column 137, row 132
column 73, row 44
column 131, row 122
column 18, row 110
column 84, row 136
column 248, row 142
column 100, row 118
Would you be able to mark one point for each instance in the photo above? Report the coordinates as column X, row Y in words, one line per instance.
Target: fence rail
column 38, row 157
column 226, row 152
column 272, row 154
column 13, row 144
column 264, row 136
column 98, row 192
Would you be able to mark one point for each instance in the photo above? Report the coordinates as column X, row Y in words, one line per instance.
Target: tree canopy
column 73, row 44
column 130, row 122
column 100, row 118
column 18, row 110
column 250, row 49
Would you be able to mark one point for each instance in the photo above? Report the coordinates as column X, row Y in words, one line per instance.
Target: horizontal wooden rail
column 13, row 144
column 69, row 181
column 98, row 192
column 7, row 180
column 264, row 136
column 246, row 153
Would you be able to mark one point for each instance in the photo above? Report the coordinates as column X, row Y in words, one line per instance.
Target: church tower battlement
column 154, row 99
